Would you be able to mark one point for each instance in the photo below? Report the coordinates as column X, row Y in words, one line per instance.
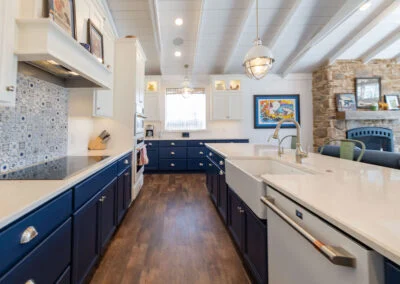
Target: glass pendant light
column 258, row 60
column 186, row 89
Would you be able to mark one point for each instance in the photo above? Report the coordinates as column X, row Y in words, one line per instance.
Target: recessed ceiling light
column 365, row 6
column 178, row 21
column 178, row 53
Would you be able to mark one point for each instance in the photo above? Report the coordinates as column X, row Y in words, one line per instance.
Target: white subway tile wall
column 36, row 129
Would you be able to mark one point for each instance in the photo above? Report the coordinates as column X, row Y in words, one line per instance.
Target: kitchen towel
column 143, row 160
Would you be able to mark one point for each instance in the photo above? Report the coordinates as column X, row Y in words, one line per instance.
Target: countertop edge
column 72, row 181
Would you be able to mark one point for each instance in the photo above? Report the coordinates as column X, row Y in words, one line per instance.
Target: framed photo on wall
column 392, row 101
column 95, row 40
column 270, row 109
column 368, row 91
column 63, row 13
column 345, row 102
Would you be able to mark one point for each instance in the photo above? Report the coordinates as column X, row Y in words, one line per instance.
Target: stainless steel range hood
column 44, row 45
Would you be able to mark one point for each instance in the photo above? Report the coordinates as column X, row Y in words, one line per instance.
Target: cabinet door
column 103, row 103
column 392, row 273
column 220, row 107
column 235, row 216
column 223, row 197
column 235, row 107
column 86, row 239
column 152, row 107
column 9, row 62
column 215, row 185
column 127, row 188
column 209, row 176
column 107, row 216
column 255, row 245
column 120, row 205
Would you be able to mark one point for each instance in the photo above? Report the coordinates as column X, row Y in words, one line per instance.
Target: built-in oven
column 138, row 168
column 139, row 124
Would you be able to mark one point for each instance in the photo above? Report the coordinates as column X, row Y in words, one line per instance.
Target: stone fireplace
column 339, row 78
column 374, row 138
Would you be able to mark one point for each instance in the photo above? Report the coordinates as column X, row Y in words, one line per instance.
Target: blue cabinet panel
column 44, row 220
column 151, row 144
column 124, row 162
column 173, row 153
column 172, row 165
column 199, row 143
column 217, row 159
column 173, row 143
column 392, row 273
column 88, row 188
column 120, row 202
column 107, row 215
column 65, row 278
column 153, row 159
column 196, row 164
column 127, row 188
column 197, row 152
column 46, row 262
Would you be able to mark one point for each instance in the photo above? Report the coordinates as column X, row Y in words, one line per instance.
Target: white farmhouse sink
column 244, row 177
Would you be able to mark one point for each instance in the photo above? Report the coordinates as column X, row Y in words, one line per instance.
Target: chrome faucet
column 300, row 154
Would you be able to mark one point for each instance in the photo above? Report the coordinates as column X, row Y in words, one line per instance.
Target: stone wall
column 339, row 78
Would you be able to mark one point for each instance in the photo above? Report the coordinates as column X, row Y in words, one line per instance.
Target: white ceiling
column 302, row 34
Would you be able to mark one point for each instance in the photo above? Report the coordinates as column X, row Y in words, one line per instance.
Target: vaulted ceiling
column 216, row 34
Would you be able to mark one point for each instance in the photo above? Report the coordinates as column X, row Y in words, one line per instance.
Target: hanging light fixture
column 186, row 89
column 258, row 60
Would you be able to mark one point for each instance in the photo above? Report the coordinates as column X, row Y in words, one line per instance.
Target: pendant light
column 186, row 89
column 258, row 60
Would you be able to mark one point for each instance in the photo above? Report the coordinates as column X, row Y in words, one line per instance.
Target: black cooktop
column 54, row 170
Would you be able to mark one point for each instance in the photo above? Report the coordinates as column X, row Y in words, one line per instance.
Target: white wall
column 272, row 84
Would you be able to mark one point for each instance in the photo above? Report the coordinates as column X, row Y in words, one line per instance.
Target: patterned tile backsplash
column 36, row 130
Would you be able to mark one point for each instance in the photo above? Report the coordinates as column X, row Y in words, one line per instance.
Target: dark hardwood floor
column 172, row 234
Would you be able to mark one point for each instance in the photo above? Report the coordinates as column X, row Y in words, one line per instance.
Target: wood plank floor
column 172, row 234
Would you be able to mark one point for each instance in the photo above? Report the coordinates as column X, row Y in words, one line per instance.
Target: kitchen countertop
column 362, row 200
column 190, row 138
column 19, row 197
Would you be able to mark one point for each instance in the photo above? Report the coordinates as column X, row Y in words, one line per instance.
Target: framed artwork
column 345, row 102
column 392, row 101
column 368, row 91
column 270, row 109
column 95, row 40
column 63, row 13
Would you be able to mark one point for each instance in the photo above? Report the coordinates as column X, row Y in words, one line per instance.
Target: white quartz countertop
column 19, row 197
column 362, row 200
column 192, row 138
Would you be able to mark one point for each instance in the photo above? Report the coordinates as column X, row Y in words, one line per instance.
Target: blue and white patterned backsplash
column 36, row 129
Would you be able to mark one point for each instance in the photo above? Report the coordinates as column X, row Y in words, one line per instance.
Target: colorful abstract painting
column 270, row 109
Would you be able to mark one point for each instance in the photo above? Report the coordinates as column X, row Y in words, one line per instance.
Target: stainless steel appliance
column 139, row 123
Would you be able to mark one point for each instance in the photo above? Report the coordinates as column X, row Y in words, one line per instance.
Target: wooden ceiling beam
column 381, row 46
column 199, row 28
column 348, row 9
column 244, row 23
column 364, row 30
column 155, row 20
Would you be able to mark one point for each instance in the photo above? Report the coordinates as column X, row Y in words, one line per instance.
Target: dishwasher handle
column 336, row 255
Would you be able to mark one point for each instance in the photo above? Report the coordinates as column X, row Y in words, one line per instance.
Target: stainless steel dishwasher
column 304, row 249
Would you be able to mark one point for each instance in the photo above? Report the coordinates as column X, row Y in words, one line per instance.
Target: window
column 185, row 113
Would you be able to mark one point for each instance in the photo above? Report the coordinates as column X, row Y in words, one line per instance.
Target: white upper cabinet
column 8, row 60
column 152, row 98
column 140, row 77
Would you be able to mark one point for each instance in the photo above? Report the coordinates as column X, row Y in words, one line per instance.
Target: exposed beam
column 199, row 27
column 348, row 9
column 284, row 26
column 381, row 46
column 366, row 29
column 110, row 17
column 245, row 22
column 156, row 28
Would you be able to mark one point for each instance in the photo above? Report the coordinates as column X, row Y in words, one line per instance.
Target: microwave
column 139, row 124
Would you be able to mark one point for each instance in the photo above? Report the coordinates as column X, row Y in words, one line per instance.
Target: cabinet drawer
column 44, row 221
column 172, row 165
column 151, row 144
column 199, row 143
column 196, row 164
column 197, row 152
column 217, row 159
column 173, row 152
column 124, row 163
column 87, row 189
column 47, row 262
column 173, row 143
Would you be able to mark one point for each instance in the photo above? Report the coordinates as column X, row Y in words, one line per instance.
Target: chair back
column 347, row 147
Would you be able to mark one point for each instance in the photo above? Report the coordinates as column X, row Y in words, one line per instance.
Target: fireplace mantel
column 368, row 115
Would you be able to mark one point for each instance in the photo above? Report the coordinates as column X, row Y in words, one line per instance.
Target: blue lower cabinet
column 392, row 273
column 47, row 262
column 108, row 222
column 120, row 202
column 152, row 154
column 173, row 153
column 196, row 152
column 127, row 188
column 43, row 221
column 235, row 219
column 196, row 164
column 65, row 278
column 173, row 165
column 223, row 197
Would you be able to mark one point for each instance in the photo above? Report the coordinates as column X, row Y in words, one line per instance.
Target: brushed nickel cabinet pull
column 172, row 143
column 172, row 153
column 221, row 162
column 28, row 235
column 210, row 154
column 30, row 281
column 10, row 88
column 172, row 165
column 126, row 162
column 126, row 174
column 201, row 164
column 221, row 172
column 201, row 153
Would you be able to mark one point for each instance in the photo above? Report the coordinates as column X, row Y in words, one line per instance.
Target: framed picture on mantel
column 345, row 102
column 368, row 92
column 270, row 109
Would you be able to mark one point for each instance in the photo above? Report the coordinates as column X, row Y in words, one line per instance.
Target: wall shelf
column 368, row 115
